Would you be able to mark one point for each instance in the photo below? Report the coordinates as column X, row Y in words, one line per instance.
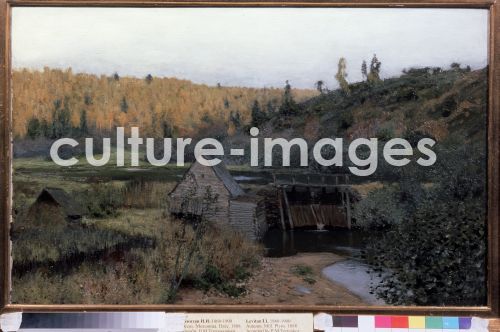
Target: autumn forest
column 160, row 107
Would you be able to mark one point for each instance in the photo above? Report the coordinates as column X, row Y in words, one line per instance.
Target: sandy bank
column 276, row 283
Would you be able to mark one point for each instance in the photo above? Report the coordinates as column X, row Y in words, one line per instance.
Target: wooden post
column 290, row 220
column 282, row 213
column 348, row 207
column 284, row 240
column 319, row 225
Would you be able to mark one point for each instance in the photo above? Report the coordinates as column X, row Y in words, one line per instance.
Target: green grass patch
column 302, row 270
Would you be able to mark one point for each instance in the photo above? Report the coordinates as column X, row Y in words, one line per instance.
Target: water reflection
column 339, row 241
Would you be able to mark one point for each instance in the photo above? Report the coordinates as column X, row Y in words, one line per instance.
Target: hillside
column 158, row 106
column 430, row 101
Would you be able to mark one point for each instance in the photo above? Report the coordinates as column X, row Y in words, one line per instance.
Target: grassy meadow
column 124, row 249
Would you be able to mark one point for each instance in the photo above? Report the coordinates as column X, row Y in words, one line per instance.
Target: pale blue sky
column 246, row 46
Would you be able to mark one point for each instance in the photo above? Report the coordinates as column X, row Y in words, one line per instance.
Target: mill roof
column 227, row 179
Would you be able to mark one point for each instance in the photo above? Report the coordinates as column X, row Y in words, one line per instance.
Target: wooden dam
column 313, row 200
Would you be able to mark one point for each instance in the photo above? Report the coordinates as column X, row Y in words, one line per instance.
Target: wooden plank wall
column 201, row 177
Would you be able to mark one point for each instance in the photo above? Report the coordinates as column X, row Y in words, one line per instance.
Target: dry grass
column 219, row 246
column 139, row 275
column 365, row 188
column 146, row 194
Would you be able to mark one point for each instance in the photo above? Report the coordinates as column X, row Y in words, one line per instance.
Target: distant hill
column 421, row 102
column 427, row 101
column 158, row 106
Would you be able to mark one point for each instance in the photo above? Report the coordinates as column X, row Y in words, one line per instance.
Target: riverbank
column 296, row 280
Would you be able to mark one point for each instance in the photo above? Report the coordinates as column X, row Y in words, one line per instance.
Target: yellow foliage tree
column 153, row 105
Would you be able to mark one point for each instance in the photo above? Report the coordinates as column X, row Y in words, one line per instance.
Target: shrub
column 448, row 106
column 436, row 253
column 233, row 290
column 346, row 120
column 302, row 270
column 435, row 257
column 380, row 209
column 102, row 200
column 385, row 134
column 242, row 273
column 212, row 278
column 34, row 128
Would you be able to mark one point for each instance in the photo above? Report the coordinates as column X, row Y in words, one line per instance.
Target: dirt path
column 286, row 280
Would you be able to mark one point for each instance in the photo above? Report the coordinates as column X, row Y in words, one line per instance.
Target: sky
column 254, row 47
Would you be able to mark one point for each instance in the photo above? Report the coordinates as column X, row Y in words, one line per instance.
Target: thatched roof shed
column 61, row 199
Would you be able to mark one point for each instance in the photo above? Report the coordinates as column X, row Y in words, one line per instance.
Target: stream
column 339, row 241
column 356, row 277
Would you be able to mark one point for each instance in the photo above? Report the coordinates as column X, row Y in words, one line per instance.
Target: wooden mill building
column 234, row 208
